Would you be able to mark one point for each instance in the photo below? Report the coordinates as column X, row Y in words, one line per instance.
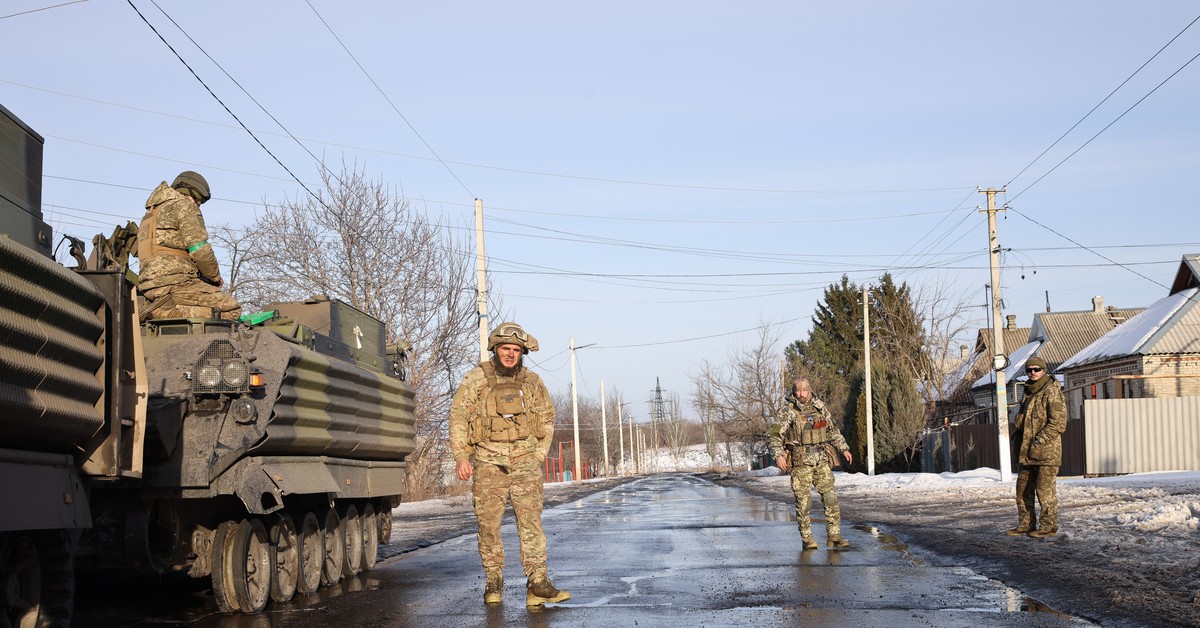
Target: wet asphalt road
column 670, row 550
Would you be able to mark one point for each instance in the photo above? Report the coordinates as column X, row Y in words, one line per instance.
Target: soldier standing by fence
column 1037, row 437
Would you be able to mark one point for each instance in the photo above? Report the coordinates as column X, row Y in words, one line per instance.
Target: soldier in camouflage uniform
column 805, row 430
column 176, row 258
column 1037, row 435
column 501, row 425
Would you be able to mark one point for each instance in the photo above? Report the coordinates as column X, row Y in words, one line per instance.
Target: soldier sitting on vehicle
column 179, row 275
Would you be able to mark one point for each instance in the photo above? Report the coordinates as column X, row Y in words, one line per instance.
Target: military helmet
column 193, row 182
column 511, row 334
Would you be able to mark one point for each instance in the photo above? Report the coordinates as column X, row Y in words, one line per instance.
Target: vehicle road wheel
column 252, row 566
column 370, row 538
column 385, row 521
column 335, row 548
column 21, row 578
column 352, row 531
column 285, row 557
column 310, row 540
column 222, row 567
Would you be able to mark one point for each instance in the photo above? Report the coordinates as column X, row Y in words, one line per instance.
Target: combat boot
column 809, row 542
column 1025, row 525
column 493, row 591
column 836, row 541
column 540, row 591
column 1043, row 533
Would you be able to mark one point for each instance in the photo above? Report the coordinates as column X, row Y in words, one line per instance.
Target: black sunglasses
column 1034, row 369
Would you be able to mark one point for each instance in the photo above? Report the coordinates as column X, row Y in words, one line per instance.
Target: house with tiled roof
column 1156, row 354
column 1136, row 390
column 957, row 405
column 1053, row 337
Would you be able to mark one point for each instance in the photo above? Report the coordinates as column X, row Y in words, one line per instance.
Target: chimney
column 962, row 351
column 1012, row 322
column 1098, row 304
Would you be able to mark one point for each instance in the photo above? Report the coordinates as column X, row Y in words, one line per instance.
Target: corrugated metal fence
column 1139, row 435
column 975, row 446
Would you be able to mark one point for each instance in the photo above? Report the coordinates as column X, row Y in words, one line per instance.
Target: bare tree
column 357, row 242
column 743, row 395
column 675, row 431
column 702, row 399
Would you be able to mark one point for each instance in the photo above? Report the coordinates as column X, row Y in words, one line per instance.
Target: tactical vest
column 505, row 418
column 148, row 245
column 811, row 427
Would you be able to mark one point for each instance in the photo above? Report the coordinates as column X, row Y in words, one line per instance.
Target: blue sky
column 657, row 171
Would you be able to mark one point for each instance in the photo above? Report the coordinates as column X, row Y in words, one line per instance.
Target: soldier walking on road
column 176, row 260
column 805, row 430
column 501, row 425
column 1037, row 436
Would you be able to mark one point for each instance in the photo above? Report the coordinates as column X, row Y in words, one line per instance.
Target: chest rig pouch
column 505, row 418
column 812, row 429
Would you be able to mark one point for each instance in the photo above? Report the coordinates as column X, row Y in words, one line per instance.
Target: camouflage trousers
column 1039, row 481
column 804, row 479
column 494, row 485
column 195, row 299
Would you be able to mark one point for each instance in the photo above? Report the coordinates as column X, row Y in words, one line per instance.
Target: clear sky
column 660, row 171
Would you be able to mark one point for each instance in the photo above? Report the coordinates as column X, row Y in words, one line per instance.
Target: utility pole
column 604, row 428
column 1000, row 359
column 575, row 410
column 481, row 282
column 870, row 401
column 621, row 437
column 632, row 448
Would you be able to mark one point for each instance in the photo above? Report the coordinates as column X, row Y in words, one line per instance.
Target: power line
column 1107, row 126
column 682, row 340
column 1104, row 100
column 53, row 6
column 389, row 100
column 211, row 93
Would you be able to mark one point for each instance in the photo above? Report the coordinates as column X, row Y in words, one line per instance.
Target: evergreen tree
column 832, row 358
column 833, row 351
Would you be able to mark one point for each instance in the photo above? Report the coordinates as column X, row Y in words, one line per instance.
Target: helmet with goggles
column 512, row 334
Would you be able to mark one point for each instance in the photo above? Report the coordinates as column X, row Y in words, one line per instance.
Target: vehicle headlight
column 234, row 373
column 208, row 376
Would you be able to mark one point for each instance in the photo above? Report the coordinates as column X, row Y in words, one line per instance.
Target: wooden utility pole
column 999, row 358
column 481, row 282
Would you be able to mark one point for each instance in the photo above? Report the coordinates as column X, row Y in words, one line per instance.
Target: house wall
column 1100, row 381
column 1174, row 375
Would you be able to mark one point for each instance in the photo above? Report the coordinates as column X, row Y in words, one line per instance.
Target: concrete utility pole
column 869, row 399
column 604, row 428
column 1000, row 359
column 632, row 449
column 575, row 411
column 481, row 282
column 621, row 437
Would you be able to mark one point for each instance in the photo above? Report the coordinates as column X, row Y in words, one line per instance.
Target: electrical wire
column 215, row 97
column 389, row 100
column 53, row 6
